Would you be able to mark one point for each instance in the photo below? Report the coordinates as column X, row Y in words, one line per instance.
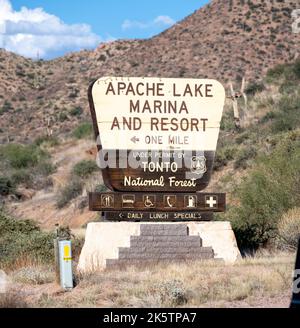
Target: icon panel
column 149, row 201
column 211, row 202
column 190, row 201
column 170, row 201
column 128, row 201
column 107, row 201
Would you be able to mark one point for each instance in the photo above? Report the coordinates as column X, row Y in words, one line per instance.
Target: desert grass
column 34, row 275
column 21, row 262
column 264, row 280
column 12, row 300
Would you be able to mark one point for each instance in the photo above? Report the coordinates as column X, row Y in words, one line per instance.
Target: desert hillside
column 225, row 40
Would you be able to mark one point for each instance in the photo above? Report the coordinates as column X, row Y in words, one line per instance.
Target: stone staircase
column 162, row 242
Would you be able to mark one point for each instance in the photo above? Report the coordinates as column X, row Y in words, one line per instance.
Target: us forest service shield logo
column 198, row 166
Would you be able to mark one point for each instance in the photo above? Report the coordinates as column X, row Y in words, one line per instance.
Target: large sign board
column 156, row 134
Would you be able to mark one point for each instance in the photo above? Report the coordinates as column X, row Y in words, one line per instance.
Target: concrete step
column 166, row 256
column 153, row 261
column 142, row 239
column 159, row 250
column 164, row 230
column 167, row 244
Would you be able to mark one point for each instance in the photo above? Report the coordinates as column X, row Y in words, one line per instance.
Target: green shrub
column 289, row 230
column 271, row 188
column 285, row 122
column 84, row 130
column 21, row 176
column 243, row 156
column 21, row 156
column 6, row 186
column 296, row 69
column 284, row 72
column 23, row 238
column 72, row 190
column 288, row 103
column 45, row 168
column 31, row 76
column 287, row 117
column 227, row 122
column 223, row 156
column 254, row 88
column 10, row 225
column 288, row 86
column 6, row 107
column 77, row 111
column 48, row 141
column 265, row 102
column 276, row 73
column 74, row 93
column 25, row 164
column 242, row 137
column 85, row 168
column 62, row 117
column 100, row 188
column 268, row 117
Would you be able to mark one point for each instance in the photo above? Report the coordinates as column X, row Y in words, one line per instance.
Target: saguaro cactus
column 49, row 129
column 238, row 118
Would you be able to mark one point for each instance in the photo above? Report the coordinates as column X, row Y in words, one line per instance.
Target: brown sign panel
column 153, row 202
column 156, row 134
column 157, row 216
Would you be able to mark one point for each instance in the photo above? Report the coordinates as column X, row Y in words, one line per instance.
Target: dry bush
column 34, row 275
column 171, row 292
column 289, row 230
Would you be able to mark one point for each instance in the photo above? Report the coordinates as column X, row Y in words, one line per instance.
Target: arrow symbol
column 135, row 139
column 121, row 216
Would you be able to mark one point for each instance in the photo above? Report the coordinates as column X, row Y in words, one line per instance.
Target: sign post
column 65, row 264
column 296, row 283
column 156, row 140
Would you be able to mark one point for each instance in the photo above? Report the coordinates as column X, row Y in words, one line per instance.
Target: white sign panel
column 158, row 113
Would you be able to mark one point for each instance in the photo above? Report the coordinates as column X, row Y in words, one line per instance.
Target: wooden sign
column 153, row 202
column 157, row 216
column 156, row 134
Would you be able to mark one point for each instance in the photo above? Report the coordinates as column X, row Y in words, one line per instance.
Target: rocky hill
column 226, row 40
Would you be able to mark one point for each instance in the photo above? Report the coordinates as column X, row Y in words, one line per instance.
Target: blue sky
column 60, row 26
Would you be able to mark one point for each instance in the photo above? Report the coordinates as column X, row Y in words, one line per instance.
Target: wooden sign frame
column 114, row 177
column 157, row 202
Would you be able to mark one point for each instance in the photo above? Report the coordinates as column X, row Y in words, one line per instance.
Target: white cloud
column 31, row 31
column 164, row 20
column 159, row 21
